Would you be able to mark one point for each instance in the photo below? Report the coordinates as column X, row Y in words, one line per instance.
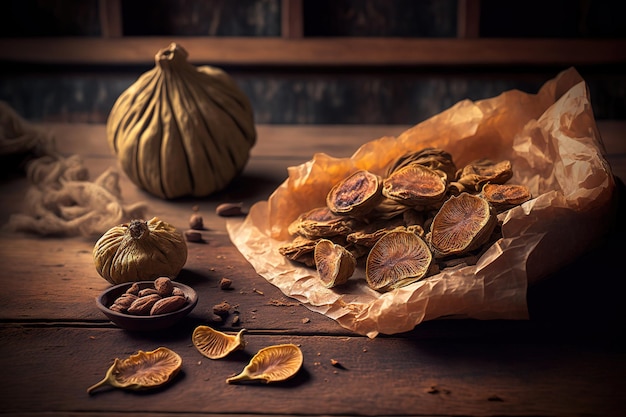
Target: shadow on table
column 583, row 302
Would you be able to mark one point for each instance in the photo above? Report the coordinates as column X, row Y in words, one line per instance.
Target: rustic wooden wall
column 310, row 95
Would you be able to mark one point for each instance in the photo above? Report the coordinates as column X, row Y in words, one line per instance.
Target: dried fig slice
column 355, row 195
column 334, row 263
column 321, row 222
column 415, row 185
column 463, row 223
column 398, row 258
column 271, row 364
column 142, row 370
column 369, row 234
column 388, row 209
column 505, row 196
column 481, row 171
column 433, row 158
column 368, row 240
column 299, row 250
column 214, row 344
column 456, row 188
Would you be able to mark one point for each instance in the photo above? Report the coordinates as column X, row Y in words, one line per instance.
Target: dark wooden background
column 455, row 49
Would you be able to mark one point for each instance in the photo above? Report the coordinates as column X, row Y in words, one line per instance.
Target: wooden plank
column 110, row 18
column 70, row 295
column 276, row 142
column 47, row 370
column 330, row 52
column 468, row 19
column 55, row 343
column 292, row 19
column 69, row 260
column 273, row 141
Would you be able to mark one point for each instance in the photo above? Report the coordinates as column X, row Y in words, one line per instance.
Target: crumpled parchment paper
column 555, row 148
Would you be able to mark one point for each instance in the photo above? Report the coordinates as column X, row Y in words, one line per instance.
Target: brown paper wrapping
column 554, row 146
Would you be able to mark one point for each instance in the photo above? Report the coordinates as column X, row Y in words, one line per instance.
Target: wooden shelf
column 294, row 49
column 333, row 52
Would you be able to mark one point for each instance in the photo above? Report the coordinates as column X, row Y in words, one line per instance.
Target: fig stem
column 137, row 228
column 244, row 376
column 104, row 381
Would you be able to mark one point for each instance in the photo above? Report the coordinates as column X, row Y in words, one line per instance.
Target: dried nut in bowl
column 164, row 286
column 123, row 302
column 271, row 364
column 214, row 344
column 355, row 195
column 168, row 304
column 140, row 251
column 143, row 305
column 334, row 263
column 463, row 224
column 142, row 370
column 398, row 258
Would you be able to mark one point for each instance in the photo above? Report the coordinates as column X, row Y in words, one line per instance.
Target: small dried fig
column 140, row 250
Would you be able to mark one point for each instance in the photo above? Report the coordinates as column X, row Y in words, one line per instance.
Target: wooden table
column 567, row 360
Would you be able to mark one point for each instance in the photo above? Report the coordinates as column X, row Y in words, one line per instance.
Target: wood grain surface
column 568, row 360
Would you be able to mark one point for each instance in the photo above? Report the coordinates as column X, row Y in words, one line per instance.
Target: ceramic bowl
column 144, row 323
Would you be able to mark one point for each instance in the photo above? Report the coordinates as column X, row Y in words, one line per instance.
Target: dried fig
column 321, row 222
column 140, row 250
column 462, row 224
column 482, row 171
column 397, row 259
column 416, row 186
column 505, row 196
column 334, row 263
column 355, row 195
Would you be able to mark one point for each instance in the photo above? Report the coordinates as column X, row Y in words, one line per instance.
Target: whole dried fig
column 140, row 250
